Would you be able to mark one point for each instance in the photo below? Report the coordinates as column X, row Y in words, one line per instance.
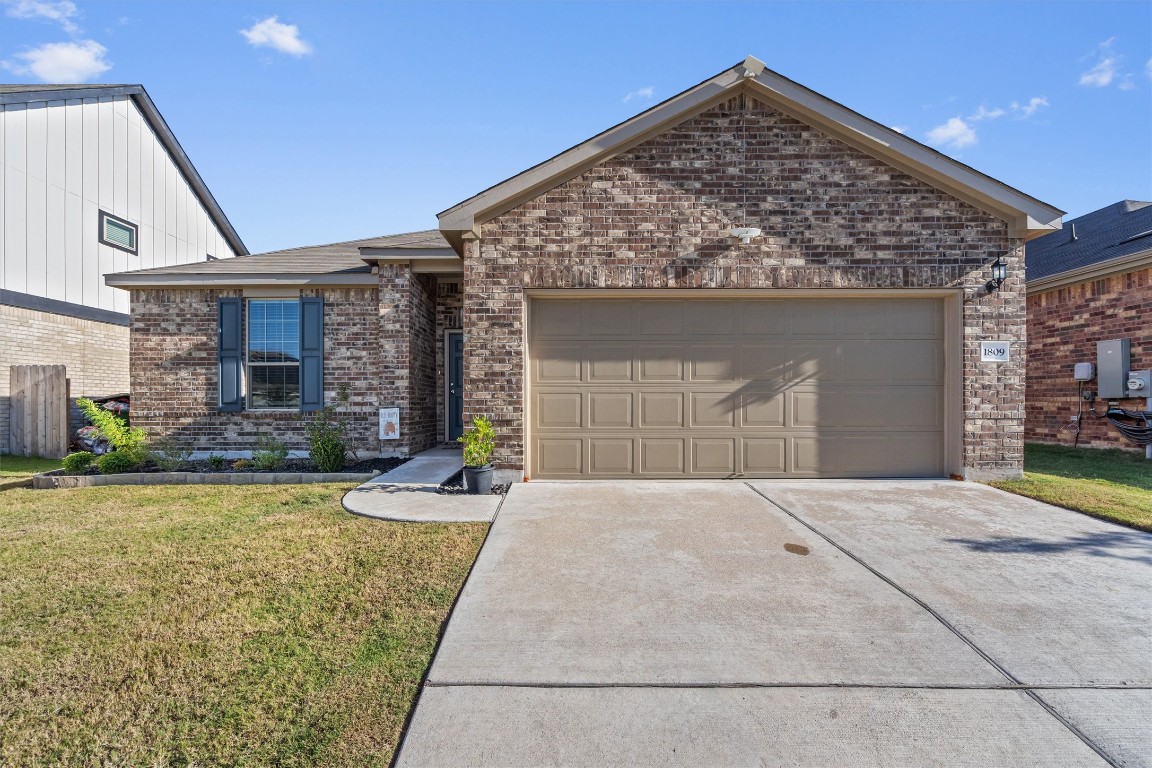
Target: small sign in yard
column 389, row 423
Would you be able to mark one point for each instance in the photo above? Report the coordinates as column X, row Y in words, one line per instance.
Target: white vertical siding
column 61, row 163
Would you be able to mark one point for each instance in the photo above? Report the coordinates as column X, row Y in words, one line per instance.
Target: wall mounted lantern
column 999, row 274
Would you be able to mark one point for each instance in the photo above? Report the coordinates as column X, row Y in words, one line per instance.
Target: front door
column 455, row 385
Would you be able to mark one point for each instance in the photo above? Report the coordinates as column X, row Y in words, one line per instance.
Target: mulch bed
column 455, row 484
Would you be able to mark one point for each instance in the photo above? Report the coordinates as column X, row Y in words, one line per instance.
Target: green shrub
column 76, row 463
column 217, row 463
column 270, row 453
column 112, row 428
column 326, row 443
column 116, row 462
column 170, row 455
column 479, row 442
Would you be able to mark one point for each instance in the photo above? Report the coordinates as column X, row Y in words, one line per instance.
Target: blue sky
column 315, row 122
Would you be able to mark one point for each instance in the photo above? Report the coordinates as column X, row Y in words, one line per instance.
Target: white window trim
column 246, row 380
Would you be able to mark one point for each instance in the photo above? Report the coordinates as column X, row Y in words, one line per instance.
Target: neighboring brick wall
column 407, row 344
column 1064, row 325
column 96, row 355
column 175, row 377
column 658, row 216
column 449, row 303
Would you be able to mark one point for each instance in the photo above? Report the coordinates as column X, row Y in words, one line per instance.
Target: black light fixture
column 999, row 273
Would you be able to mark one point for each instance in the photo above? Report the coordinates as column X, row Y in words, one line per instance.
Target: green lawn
column 215, row 625
column 21, row 468
column 1112, row 484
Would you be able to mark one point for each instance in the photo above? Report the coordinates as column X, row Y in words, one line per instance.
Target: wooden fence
column 38, row 410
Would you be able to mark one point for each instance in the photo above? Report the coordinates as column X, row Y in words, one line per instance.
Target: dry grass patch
column 214, row 625
column 1111, row 484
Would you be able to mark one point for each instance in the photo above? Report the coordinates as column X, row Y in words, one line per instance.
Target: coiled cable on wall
column 1136, row 426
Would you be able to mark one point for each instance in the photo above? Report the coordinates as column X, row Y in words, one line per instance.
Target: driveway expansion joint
column 738, row 685
column 1027, row 690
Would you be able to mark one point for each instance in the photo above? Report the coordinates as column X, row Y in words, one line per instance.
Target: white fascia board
column 129, row 281
column 372, row 255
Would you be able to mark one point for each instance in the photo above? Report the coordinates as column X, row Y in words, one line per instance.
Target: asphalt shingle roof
column 1120, row 229
column 329, row 259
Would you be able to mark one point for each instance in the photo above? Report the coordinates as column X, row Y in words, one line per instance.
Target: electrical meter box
column 1139, row 384
column 1084, row 371
column 1112, row 361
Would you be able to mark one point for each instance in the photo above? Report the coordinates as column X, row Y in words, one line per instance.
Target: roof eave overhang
column 1116, row 266
column 1026, row 216
column 374, row 255
column 129, row 281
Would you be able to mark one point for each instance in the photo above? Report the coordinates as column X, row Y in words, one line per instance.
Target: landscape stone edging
column 49, row 480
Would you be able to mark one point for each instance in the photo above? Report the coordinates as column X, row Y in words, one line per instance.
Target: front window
column 273, row 353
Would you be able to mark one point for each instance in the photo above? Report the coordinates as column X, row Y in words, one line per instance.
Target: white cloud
column 987, row 114
column 270, row 33
column 1103, row 72
column 1101, row 75
column 1029, row 109
column 646, row 93
column 954, row 134
column 899, row 128
column 1148, row 68
column 60, row 11
column 76, row 62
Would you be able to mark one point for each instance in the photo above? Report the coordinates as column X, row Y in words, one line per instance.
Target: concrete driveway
column 830, row 623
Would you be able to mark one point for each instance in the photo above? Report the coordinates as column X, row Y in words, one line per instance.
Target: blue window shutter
column 230, row 347
column 311, row 354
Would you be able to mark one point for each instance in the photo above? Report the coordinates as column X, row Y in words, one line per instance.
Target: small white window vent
column 117, row 233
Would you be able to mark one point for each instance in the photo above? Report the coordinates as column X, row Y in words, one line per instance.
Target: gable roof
column 24, row 94
column 1116, row 237
column 1027, row 216
column 345, row 263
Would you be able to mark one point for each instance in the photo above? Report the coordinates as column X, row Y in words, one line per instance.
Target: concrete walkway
column 811, row 624
column 409, row 493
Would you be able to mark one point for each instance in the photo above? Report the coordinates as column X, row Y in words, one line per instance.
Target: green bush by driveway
column 254, row 625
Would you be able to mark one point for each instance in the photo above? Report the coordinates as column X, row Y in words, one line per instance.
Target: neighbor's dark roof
column 333, row 258
column 22, row 93
column 1121, row 229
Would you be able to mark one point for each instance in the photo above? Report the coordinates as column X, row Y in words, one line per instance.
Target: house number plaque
column 994, row 351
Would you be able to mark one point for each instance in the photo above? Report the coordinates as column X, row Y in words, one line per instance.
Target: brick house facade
column 1095, row 287
column 846, row 210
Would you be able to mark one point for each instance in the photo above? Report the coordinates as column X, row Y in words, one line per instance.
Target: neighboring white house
column 92, row 181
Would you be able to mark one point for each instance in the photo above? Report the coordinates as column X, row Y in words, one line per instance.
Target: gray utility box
column 1112, row 360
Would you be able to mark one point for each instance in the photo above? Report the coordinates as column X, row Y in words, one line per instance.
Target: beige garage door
column 672, row 388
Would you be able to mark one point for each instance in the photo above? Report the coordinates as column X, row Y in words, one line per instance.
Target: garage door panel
column 764, row 455
column 661, row 364
column 714, row 362
column 609, row 318
column 662, row 456
column 610, row 410
column 659, row 318
column 762, row 409
column 661, row 409
column 713, row 409
column 713, row 456
column 559, row 410
column 611, row 456
column 610, row 364
column 759, row 388
column 762, row 318
column 763, row 362
column 559, row 365
column 558, row 320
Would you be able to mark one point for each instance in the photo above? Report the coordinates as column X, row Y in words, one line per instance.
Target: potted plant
column 479, row 442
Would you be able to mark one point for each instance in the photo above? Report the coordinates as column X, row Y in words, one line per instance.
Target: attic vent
column 117, row 233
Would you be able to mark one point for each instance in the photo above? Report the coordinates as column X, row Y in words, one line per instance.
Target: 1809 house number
column 994, row 351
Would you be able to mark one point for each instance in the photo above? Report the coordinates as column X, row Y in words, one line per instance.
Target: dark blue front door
column 455, row 385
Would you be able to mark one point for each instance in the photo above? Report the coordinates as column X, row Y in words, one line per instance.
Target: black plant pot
column 478, row 479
